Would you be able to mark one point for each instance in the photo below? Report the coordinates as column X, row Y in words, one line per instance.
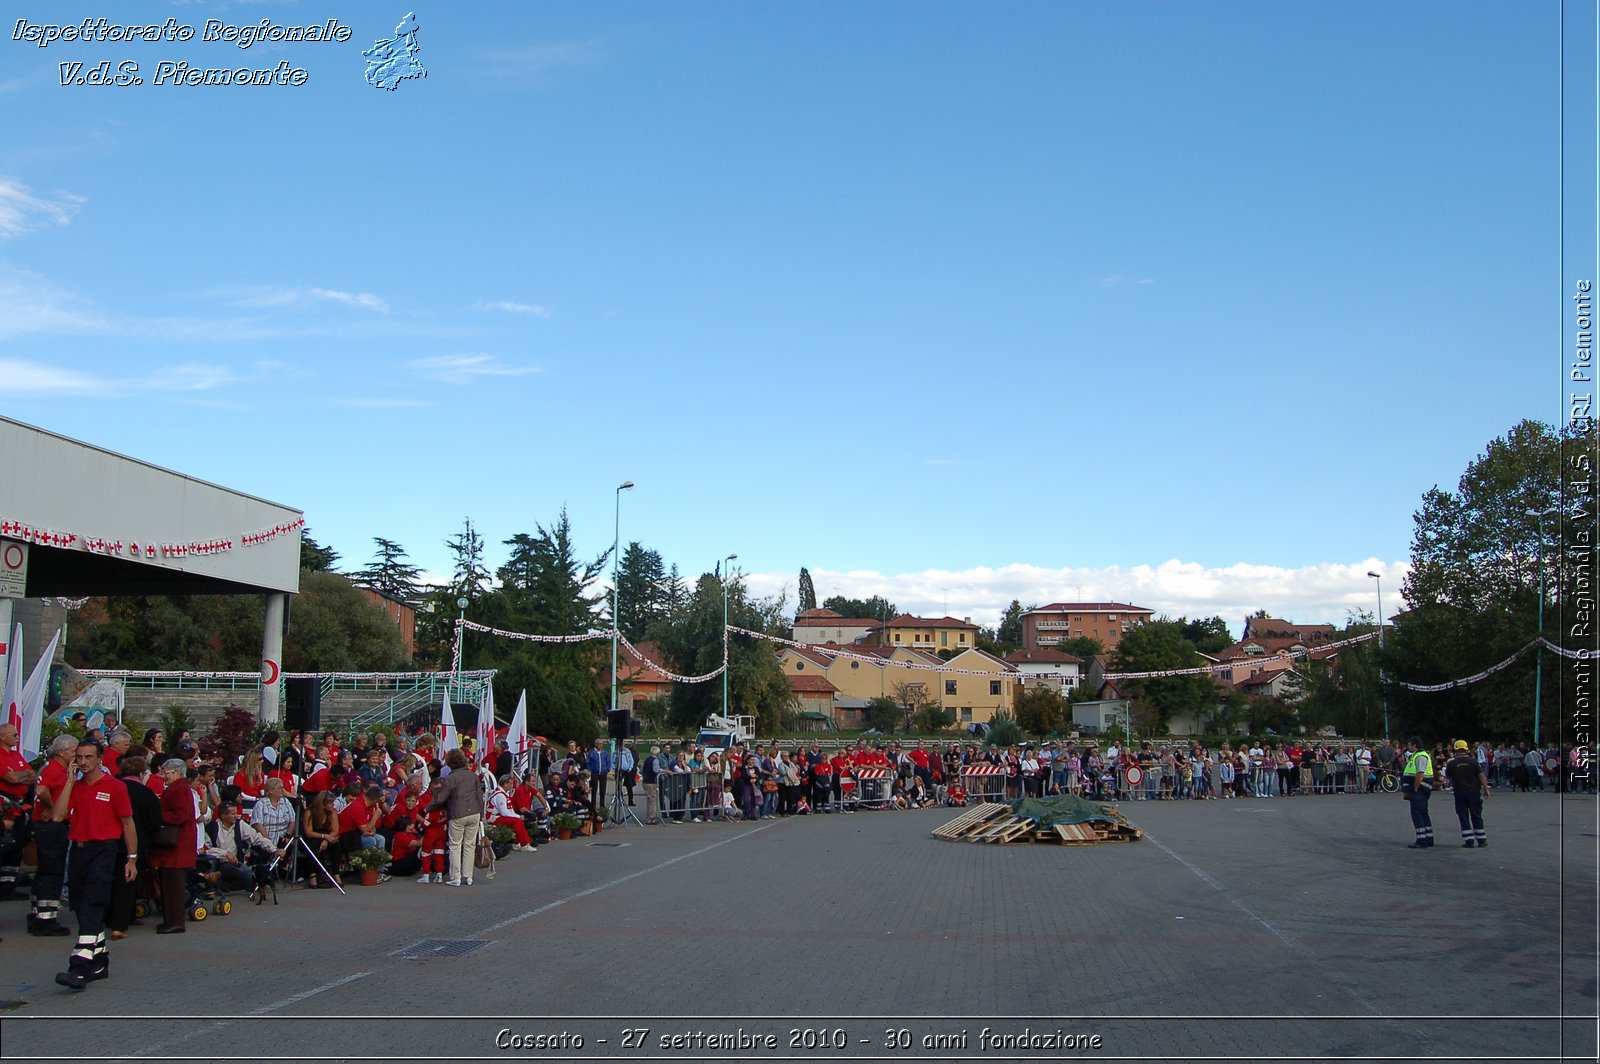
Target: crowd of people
column 122, row 821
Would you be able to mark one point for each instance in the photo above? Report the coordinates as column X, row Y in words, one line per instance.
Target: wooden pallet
column 994, row 822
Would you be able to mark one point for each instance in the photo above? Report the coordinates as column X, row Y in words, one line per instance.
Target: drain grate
column 612, row 845
column 442, row 947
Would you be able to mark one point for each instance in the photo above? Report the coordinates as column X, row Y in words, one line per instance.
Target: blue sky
column 1178, row 303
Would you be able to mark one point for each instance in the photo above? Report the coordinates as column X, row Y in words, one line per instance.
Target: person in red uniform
column 95, row 805
column 50, row 837
column 16, row 780
column 435, row 827
column 501, row 813
column 180, row 808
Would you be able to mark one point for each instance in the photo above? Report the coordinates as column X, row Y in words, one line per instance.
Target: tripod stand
column 621, row 812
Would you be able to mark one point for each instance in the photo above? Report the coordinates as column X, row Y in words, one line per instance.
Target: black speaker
column 302, row 703
column 617, row 721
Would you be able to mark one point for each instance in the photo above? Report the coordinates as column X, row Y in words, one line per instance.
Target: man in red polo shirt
column 96, row 806
column 16, row 780
column 50, row 836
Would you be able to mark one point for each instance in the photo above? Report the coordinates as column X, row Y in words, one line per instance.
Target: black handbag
column 166, row 837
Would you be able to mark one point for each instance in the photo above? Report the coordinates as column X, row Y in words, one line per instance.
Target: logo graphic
column 393, row 61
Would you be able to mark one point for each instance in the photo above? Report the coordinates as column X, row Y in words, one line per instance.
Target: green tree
column 1003, row 730
column 913, row 696
column 469, row 578
column 1158, row 646
column 1208, row 635
column 808, row 591
column 389, row 573
column 313, row 556
column 876, row 607
column 693, row 643
column 1009, row 634
column 642, row 593
column 544, row 591
column 882, row 714
column 1082, row 646
column 1473, row 586
column 333, row 627
column 1041, row 710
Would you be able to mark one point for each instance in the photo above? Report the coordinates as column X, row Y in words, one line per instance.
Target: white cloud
column 24, row 211
column 1116, row 280
column 364, row 300
column 1328, row 592
column 19, row 377
column 511, row 307
column 288, row 297
column 462, row 369
column 22, row 377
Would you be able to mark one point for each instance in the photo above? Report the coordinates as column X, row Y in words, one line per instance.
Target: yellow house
column 932, row 634
column 973, row 698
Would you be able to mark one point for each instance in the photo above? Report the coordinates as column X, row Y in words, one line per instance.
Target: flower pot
column 565, row 833
column 369, row 877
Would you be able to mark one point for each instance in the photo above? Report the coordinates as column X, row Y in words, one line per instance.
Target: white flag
column 486, row 722
column 10, row 709
column 32, row 700
column 448, row 718
column 517, row 734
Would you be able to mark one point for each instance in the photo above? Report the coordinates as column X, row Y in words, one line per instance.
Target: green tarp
column 1062, row 809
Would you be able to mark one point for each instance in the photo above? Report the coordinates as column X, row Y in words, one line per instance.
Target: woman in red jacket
column 180, row 809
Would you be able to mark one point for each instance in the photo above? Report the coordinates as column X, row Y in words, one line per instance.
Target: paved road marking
column 621, row 879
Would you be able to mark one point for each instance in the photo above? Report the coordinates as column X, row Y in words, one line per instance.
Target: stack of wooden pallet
column 995, row 822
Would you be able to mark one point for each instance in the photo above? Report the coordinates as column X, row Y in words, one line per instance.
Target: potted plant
column 565, row 824
column 367, row 862
column 501, row 838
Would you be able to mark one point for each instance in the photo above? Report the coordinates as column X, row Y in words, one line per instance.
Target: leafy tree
column 877, row 606
column 389, row 572
column 1157, row 646
column 1004, row 730
column 333, row 627
column 469, row 578
column 808, row 591
column 1082, row 646
column 1041, row 710
column 912, row 696
column 544, row 591
column 642, row 592
column 1208, row 635
column 882, row 714
column 934, row 718
column 693, row 644
column 229, row 736
column 313, row 556
column 1473, row 586
column 1010, row 632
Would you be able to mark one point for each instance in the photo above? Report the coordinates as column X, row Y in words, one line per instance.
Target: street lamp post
column 729, row 558
column 1382, row 689
column 616, row 620
column 1538, row 667
column 461, row 642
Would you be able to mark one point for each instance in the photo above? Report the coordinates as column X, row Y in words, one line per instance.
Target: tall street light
column 725, row 561
column 1538, row 668
column 616, row 619
column 461, row 641
column 1382, row 688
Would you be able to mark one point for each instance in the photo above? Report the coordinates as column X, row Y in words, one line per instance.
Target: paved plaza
column 1266, row 929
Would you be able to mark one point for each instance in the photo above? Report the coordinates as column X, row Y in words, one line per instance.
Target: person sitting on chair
column 229, row 845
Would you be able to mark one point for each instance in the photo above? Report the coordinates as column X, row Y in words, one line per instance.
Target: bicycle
column 1383, row 779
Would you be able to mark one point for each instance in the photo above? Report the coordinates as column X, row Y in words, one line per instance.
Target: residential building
column 973, row 685
column 826, row 626
column 636, row 681
column 1060, row 670
column 1277, row 628
column 933, row 634
column 1045, row 626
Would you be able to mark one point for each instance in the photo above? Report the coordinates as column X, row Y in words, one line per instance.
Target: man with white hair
column 15, row 779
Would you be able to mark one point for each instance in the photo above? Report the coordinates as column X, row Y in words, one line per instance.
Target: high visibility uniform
column 1418, row 797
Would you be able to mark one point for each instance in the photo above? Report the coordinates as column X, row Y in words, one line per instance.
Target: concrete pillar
column 272, row 659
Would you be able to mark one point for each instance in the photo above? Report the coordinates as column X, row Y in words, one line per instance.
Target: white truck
column 719, row 732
